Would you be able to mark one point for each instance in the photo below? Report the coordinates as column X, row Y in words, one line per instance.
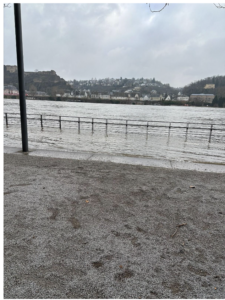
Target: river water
column 154, row 142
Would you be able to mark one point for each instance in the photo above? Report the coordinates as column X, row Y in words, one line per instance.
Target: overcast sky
column 183, row 43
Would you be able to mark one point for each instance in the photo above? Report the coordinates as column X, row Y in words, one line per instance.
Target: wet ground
column 94, row 229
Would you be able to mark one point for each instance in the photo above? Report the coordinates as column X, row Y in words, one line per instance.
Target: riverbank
column 114, row 101
column 123, row 159
column 94, row 229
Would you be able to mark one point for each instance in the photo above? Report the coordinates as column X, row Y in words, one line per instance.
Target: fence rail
column 121, row 122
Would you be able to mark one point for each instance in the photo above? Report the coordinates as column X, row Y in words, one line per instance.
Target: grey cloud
column 183, row 43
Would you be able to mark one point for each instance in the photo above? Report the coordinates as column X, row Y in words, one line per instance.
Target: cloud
column 183, row 43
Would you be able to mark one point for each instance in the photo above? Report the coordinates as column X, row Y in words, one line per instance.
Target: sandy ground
column 86, row 229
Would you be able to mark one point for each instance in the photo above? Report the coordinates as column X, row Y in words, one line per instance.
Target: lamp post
column 20, row 67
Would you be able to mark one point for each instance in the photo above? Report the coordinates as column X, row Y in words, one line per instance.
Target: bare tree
column 218, row 5
column 158, row 10
column 32, row 89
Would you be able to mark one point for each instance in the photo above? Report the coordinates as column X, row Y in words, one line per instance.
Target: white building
column 183, row 98
column 146, row 98
column 168, row 98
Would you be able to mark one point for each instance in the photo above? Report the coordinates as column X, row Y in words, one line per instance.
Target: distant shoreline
column 111, row 101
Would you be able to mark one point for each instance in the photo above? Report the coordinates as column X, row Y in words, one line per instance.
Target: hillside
column 45, row 81
column 141, row 86
column 199, row 87
column 52, row 84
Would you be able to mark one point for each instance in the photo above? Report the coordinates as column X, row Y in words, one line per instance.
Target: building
column 145, row 98
column 10, row 90
column 11, row 69
column 203, row 98
column 66, row 95
column 157, row 98
column 95, row 95
column 119, row 96
column 39, row 93
column 153, row 92
column 137, row 88
column 128, row 91
column 209, row 86
column 183, row 98
column 168, row 98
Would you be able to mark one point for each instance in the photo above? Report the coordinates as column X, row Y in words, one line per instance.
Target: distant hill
column 127, row 84
column 45, row 81
column 205, row 86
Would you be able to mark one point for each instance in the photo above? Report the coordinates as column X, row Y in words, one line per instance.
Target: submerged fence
column 61, row 122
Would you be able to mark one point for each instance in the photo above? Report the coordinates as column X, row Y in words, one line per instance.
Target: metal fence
column 90, row 123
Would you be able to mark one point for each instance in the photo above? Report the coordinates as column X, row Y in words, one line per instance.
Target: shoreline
column 123, row 159
column 116, row 101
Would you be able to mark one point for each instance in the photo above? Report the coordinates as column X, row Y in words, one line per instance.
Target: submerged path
column 123, row 159
column 84, row 228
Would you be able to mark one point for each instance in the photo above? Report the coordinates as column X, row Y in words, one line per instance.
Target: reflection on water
column 183, row 144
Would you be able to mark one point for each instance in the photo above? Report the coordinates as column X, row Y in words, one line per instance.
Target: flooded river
column 136, row 139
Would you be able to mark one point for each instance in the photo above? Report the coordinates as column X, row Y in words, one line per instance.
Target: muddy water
column 154, row 142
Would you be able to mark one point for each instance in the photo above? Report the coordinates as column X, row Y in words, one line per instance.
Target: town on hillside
column 48, row 85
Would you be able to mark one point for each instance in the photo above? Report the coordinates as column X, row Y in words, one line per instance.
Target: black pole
column 20, row 66
column 6, row 119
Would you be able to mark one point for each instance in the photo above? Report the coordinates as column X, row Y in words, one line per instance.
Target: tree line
column 198, row 87
column 218, row 102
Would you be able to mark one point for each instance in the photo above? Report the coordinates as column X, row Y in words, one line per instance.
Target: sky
column 181, row 44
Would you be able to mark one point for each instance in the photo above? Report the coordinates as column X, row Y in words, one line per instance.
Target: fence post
column 169, row 129
column 106, row 124
column 6, row 119
column 147, row 130
column 92, row 125
column 126, row 126
column 41, row 122
column 60, row 126
column 210, row 134
column 78, row 124
column 186, row 131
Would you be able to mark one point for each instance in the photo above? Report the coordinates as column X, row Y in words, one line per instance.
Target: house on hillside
column 153, row 92
column 137, row 88
column 128, row 91
column 209, row 86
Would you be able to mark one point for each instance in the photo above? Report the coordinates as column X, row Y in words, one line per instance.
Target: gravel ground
column 87, row 229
